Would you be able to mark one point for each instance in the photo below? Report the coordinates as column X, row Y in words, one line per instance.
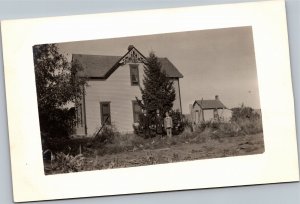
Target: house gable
column 101, row 67
column 132, row 56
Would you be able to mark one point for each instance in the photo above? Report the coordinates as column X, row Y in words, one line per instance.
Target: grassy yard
column 131, row 150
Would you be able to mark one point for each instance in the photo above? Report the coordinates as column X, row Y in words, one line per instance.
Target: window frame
column 101, row 112
column 134, row 112
column 131, row 67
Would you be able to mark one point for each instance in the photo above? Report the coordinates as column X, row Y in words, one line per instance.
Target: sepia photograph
column 146, row 100
column 149, row 101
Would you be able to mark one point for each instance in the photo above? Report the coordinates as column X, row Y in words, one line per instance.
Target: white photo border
column 279, row 162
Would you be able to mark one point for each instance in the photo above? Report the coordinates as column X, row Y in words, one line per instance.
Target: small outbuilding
column 209, row 110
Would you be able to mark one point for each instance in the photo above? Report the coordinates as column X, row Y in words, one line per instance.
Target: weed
column 65, row 163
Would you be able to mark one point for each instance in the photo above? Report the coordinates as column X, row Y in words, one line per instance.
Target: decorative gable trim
column 133, row 56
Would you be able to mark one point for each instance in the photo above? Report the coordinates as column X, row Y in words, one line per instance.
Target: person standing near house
column 168, row 124
column 145, row 121
column 159, row 123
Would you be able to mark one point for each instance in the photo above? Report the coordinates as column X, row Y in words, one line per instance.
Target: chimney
column 217, row 97
column 130, row 47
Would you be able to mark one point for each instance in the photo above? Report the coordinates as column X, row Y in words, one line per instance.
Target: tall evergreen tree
column 158, row 91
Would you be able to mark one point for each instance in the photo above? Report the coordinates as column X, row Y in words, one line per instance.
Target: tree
column 57, row 85
column 244, row 113
column 158, row 91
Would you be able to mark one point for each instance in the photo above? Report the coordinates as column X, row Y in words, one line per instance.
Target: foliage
column 178, row 125
column 147, row 124
column 247, row 119
column 58, row 122
column 106, row 136
column 158, row 92
column 250, row 126
column 57, row 85
column 244, row 113
column 66, row 163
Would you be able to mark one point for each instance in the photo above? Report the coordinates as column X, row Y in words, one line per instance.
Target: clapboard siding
column 117, row 90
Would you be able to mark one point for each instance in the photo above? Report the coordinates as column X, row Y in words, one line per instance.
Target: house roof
column 169, row 68
column 95, row 65
column 210, row 104
column 101, row 66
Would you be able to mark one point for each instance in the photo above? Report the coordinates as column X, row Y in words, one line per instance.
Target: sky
column 213, row 62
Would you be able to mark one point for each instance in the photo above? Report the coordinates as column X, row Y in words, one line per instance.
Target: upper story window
column 134, row 74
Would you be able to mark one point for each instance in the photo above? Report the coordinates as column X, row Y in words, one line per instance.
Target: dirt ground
column 193, row 150
column 158, row 151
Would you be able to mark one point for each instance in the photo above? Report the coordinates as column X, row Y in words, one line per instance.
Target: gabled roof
column 101, row 66
column 169, row 68
column 210, row 104
column 95, row 65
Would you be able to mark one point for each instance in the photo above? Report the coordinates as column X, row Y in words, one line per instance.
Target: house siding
column 196, row 114
column 117, row 90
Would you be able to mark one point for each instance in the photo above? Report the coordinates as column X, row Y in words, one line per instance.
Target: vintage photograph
column 146, row 100
column 158, row 100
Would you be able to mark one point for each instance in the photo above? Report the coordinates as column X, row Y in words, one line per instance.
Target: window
column 105, row 113
column 136, row 111
column 134, row 74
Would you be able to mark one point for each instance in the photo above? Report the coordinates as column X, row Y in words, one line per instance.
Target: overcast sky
column 213, row 62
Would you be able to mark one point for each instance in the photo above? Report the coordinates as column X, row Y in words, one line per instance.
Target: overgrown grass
column 71, row 155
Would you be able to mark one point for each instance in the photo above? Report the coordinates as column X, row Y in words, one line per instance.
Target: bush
column 247, row 119
column 229, row 129
column 106, row 135
column 57, row 123
column 64, row 145
column 178, row 124
column 244, row 113
column 204, row 125
column 250, row 126
column 65, row 163
column 146, row 126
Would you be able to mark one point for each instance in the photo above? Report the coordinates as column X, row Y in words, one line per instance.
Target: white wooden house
column 209, row 110
column 113, row 85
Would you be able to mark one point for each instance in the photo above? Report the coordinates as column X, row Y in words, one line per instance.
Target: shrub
column 250, row 126
column 229, row 129
column 247, row 119
column 214, row 125
column 57, row 123
column 66, row 163
column 106, row 135
column 146, row 126
column 244, row 113
column 65, row 145
column 178, row 124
